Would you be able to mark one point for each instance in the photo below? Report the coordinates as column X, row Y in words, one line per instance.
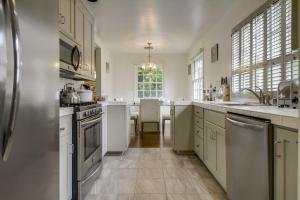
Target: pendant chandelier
column 149, row 64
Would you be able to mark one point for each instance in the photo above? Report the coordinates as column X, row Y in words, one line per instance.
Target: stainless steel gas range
column 87, row 140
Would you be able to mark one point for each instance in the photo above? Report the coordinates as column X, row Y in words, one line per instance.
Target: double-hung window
column 198, row 76
column 264, row 47
column 149, row 82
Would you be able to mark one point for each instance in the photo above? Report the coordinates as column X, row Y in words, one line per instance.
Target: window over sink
column 264, row 47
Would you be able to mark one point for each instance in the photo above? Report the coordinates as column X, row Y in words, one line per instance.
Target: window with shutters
column 198, row 76
column 264, row 47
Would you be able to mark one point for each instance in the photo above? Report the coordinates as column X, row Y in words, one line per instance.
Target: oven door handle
column 91, row 122
column 93, row 173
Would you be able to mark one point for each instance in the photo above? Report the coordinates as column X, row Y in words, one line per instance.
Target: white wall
column 174, row 66
column 221, row 33
column 104, row 80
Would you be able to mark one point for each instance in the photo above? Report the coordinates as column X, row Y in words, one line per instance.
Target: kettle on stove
column 69, row 95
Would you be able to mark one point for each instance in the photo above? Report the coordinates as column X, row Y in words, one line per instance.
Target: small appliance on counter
column 287, row 94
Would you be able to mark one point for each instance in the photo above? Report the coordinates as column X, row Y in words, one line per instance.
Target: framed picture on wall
column 215, row 53
column 189, row 69
column 107, row 67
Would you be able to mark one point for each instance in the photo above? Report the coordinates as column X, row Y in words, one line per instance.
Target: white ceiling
column 171, row 25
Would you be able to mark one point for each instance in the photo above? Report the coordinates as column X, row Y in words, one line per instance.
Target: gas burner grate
column 78, row 104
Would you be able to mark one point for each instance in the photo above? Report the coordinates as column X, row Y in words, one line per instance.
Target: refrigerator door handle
column 9, row 129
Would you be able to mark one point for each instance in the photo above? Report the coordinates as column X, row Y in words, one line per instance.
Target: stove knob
column 85, row 114
column 295, row 100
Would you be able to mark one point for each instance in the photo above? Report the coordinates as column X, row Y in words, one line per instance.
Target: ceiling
column 171, row 25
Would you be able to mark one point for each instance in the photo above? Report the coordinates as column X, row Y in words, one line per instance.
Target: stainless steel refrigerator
column 29, row 103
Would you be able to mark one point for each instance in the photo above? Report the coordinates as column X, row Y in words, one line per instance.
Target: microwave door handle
column 10, row 128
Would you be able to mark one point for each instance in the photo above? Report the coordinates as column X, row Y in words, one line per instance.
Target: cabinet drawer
column 198, row 146
column 199, row 131
column 215, row 118
column 65, row 125
column 198, row 111
column 198, row 122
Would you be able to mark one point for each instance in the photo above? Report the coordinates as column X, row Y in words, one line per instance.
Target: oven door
column 89, row 145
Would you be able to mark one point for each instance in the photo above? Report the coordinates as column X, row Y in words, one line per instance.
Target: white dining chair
column 149, row 113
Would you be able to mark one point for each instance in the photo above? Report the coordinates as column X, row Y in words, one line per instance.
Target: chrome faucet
column 263, row 97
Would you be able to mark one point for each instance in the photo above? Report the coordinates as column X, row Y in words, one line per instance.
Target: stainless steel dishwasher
column 249, row 158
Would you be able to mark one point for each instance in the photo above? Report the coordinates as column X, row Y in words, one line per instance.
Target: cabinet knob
column 63, row 21
column 197, row 146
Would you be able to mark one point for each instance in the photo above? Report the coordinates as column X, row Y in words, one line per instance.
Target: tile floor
column 154, row 174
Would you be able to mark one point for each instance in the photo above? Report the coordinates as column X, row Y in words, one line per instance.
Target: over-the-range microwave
column 70, row 55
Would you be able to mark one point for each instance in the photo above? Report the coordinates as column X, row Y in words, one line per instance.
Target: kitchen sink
column 236, row 104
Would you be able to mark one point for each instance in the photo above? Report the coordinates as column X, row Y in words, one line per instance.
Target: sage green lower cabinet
column 198, row 131
column 198, row 146
column 286, row 158
column 215, row 146
column 210, row 155
column 182, row 127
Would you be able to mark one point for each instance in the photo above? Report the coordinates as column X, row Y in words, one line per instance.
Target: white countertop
column 278, row 116
column 63, row 111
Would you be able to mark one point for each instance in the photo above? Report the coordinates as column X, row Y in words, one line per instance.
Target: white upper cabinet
column 79, row 23
column 66, row 17
column 88, row 46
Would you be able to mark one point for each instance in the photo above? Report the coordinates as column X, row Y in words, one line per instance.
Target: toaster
column 287, row 94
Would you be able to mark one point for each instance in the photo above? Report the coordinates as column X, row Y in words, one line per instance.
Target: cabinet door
column 183, row 128
column 198, row 146
column 65, row 167
column 286, row 158
column 88, row 44
column 66, row 17
column 210, row 157
column 221, row 156
column 79, row 22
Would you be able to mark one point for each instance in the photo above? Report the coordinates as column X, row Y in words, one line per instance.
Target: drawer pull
column 62, row 129
column 197, row 146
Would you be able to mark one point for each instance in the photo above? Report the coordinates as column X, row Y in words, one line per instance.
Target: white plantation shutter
column 235, row 61
column 245, row 46
column 258, row 39
column 257, row 79
column 274, row 46
column 263, row 50
column 292, row 69
column 198, row 76
column 235, row 83
column 236, row 51
column 274, row 77
column 274, row 26
column 245, row 80
column 291, row 58
column 288, row 27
